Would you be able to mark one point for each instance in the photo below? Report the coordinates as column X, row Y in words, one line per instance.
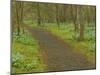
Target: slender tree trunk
column 75, row 17
column 74, row 12
column 32, row 9
column 82, row 26
column 21, row 12
column 57, row 15
column 17, row 16
column 64, row 12
column 88, row 17
column 38, row 15
column 21, row 17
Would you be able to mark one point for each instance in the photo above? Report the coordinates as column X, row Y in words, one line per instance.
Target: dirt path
column 58, row 56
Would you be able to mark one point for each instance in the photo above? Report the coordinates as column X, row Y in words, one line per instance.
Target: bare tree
column 19, row 15
column 38, row 14
column 57, row 14
column 81, row 22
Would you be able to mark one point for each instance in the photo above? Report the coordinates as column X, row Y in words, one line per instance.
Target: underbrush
column 26, row 57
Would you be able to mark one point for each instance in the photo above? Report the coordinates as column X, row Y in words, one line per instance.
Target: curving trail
column 57, row 55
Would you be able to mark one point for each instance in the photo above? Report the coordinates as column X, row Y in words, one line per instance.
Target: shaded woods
column 74, row 24
column 80, row 16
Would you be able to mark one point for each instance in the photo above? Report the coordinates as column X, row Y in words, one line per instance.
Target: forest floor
column 58, row 55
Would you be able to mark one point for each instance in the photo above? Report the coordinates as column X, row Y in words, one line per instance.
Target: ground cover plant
column 25, row 54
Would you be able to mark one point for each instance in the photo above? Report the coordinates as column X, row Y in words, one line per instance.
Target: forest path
column 57, row 55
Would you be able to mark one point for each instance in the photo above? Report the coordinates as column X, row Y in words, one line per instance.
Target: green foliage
column 24, row 39
column 90, row 33
column 30, row 23
column 25, row 54
column 16, row 59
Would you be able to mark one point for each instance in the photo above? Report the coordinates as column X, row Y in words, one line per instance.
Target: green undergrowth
column 26, row 57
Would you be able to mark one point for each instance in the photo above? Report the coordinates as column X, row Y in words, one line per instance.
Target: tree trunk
column 81, row 21
column 17, row 16
column 57, row 15
column 21, row 16
column 75, row 17
column 38, row 15
column 64, row 13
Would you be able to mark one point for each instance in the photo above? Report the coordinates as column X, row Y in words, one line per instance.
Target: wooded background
column 43, row 13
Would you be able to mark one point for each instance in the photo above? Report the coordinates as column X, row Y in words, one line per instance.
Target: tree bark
column 17, row 16
column 38, row 15
column 81, row 21
column 57, row 15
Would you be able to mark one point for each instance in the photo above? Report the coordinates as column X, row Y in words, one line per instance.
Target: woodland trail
column 57, row 55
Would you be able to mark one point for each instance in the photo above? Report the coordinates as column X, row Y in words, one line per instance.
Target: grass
column 26, row 57
column 67, row 33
